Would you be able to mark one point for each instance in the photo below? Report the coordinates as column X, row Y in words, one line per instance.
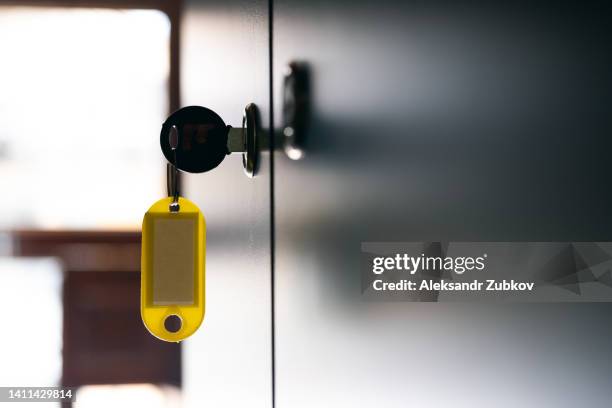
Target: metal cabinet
column 482, row 121
column 224, row 66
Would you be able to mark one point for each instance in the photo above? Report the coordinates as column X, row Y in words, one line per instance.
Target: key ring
column 172, row 171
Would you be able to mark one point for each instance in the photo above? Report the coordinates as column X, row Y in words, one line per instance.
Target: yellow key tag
column 172, row 269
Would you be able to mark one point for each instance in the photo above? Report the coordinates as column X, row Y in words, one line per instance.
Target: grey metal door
column 485, row 121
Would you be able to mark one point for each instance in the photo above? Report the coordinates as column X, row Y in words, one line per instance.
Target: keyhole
column 173, row 323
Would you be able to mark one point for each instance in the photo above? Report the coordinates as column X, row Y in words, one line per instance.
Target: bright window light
column 31, row 343
column 128, row 395
column 83, row 93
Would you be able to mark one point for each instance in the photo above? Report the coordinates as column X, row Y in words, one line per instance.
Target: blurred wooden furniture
column 104, row 339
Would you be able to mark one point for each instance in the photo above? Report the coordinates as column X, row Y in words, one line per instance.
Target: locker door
column 224, row 66
column 482, row 121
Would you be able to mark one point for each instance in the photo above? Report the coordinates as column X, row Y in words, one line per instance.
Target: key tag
column 172, row 293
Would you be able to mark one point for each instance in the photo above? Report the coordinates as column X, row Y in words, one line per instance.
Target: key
column 206, row 140
column 193, row 139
